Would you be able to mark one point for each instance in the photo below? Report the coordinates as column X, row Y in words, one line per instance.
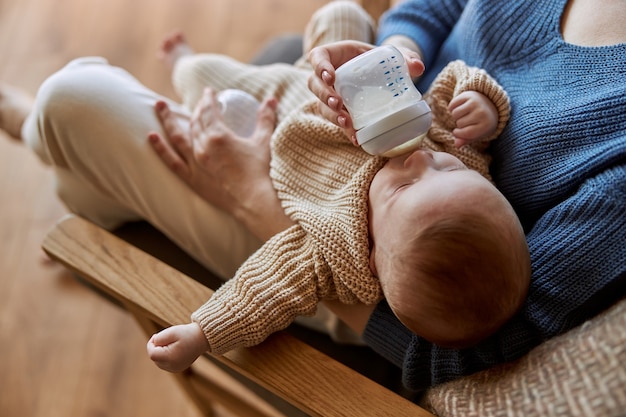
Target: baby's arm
column 475, row 115
column 276, row 284
column 176, row 348
column 466, row 103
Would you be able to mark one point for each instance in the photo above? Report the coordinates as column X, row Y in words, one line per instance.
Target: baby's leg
column 192, row 73
column 174, row 47
column 337, row 21
column 288, row 84
column 92, row 121
column 206, row 71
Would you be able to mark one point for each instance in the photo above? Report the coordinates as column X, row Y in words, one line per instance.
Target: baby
column 427, row 230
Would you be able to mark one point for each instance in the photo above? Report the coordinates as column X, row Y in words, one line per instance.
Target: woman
column 561, row 161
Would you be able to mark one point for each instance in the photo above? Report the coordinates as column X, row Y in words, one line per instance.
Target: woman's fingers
column 175, row 148
column 325, row 93
column 325, row 59
column 168, row 155
column 331, row 56
column 266, row 122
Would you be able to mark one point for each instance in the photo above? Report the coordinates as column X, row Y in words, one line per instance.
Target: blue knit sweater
column 561, row 162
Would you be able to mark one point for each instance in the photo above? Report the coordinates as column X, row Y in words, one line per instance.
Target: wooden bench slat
column 284, row 365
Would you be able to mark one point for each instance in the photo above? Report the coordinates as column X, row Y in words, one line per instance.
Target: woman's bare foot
column 173, row 48
column 15, row 105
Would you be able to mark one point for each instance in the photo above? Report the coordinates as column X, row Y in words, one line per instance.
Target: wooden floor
column 63, row 350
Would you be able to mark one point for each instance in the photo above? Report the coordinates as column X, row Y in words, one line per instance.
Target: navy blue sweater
column 561, row 162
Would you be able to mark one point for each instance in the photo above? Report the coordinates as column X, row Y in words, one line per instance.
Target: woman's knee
column 90, row 93
column 60, row 101
column 86, row 102
column 74, row 89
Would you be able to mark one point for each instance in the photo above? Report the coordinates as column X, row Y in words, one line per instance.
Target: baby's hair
column 463, row 277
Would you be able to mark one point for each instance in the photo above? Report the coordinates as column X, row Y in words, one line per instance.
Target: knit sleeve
column 323, row 183
column 427, row 22
column 455, row 78
column 274, row 286
column 577, row 251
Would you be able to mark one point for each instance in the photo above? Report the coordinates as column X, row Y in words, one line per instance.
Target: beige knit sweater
column 323, row 182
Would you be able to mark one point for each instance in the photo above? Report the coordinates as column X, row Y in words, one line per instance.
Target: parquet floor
column 64, row 351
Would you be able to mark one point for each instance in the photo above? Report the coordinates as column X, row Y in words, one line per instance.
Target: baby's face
column 410, row 191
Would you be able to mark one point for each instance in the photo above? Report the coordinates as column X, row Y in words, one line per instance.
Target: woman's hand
column 176, row 348
column 229, row 172
column 475, row 115
column 326, row 59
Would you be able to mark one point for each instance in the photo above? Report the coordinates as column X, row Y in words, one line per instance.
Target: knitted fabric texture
column 323, row 183
column 560, row 161
column 579, row 373
column 453, row 80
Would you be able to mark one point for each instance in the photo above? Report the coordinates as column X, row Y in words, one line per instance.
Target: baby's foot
column 173, row 48
column 15, row 105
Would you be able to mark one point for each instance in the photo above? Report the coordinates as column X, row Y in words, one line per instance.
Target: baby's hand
column 174, row 349
column 475, row 115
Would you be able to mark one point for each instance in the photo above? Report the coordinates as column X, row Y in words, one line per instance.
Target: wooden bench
column 283, row 375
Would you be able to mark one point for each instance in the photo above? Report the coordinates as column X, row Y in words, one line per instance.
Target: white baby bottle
column 239, row 111
column 387, row 110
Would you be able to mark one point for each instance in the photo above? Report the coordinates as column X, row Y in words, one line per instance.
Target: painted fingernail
column 326, row 77
column 333, row 103
column 341, row 120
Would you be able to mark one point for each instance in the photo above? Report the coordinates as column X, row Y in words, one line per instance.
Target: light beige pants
column 91, row 121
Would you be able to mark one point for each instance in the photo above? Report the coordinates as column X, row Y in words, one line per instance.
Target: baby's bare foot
column 15, row 105
column 174, row 47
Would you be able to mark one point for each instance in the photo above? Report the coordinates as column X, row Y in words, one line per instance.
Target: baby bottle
column 239, row 111
column 388, row 113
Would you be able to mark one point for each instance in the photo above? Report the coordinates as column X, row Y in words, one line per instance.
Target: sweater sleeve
column 454, row 79
column 577, row 252
column 458, row 77
column 427, row 22
column 275, row 285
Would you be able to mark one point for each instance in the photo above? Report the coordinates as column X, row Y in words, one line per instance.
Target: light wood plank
column 282, row 364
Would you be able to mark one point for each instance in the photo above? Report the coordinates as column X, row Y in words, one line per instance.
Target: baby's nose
column 420, row 157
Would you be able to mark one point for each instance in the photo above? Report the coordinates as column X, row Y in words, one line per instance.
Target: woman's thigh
column 91, row 121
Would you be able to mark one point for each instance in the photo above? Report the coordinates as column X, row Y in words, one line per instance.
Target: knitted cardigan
column 560, row 161
column 323, row 182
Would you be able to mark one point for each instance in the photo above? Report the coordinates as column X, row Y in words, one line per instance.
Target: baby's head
column 447, row 247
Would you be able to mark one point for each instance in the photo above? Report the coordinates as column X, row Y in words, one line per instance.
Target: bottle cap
column 398, row 132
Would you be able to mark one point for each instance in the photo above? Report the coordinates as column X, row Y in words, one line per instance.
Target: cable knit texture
column 561, row 162
column 323, row 182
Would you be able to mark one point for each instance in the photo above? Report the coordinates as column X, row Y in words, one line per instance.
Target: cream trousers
column 91, row 121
